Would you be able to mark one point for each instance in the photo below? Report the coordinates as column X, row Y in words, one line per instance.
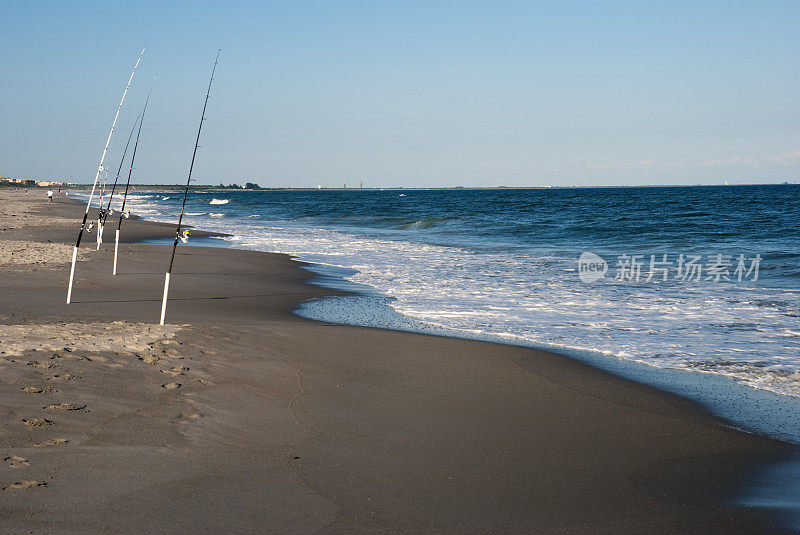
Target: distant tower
column 361, row 185
column 345, row 184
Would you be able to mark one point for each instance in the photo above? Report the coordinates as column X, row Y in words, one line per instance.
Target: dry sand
column 241, row 417
column 117, row 336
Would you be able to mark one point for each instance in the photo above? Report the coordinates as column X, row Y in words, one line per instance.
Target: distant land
column 234, row 187
column 250, row 186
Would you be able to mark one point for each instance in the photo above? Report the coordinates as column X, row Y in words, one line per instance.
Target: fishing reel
column 184, row 237
column 126, row 213
column 90, row 227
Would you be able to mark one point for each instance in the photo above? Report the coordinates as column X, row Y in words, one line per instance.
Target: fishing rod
column 103, row 213
column 178, row 235
column 122, row 213
column 97, row 176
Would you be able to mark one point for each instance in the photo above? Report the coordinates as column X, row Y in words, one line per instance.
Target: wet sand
column 241, row 417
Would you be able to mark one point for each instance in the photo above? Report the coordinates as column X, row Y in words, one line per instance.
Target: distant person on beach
column 50, row 195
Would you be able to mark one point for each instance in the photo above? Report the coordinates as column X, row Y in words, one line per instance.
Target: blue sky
column 408, row 93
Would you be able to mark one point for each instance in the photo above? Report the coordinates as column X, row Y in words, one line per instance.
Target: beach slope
column 241, row 417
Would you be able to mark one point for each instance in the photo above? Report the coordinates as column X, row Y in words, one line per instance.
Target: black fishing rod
column 103, row 213
column 122, row 213
column 178, row 235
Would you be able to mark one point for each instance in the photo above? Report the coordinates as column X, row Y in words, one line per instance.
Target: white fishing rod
column 178, row 235
column 96, row 178
column 122, row 213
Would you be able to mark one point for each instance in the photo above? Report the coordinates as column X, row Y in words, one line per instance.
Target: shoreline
column 755, row 410
column 439, row 433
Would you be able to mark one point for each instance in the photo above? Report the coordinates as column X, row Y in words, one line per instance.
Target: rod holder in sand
column 116, row 250
column 99, row 232
column 72, row 272
column 164, row 299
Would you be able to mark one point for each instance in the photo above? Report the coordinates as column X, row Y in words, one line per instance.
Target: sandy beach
column 240, row 417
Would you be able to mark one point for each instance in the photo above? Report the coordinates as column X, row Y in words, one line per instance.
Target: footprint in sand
column 52, row 442
column 65, row 407
column 175, row 370
column 62, row 377
column 171, row 354
column 33, row 390
column 149, row 359
column 42, row 365
column 74, row 358
column 15, row 461
column 185, row 418
column 37, row 422
column 171, row 386
column 22, row 485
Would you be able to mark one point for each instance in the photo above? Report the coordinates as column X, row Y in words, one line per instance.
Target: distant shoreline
column 160, row 187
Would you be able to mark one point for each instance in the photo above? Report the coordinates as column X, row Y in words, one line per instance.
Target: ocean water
column 716, row 320
column 725, row 299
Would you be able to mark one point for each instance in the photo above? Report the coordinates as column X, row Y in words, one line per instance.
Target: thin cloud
column 649, row 163
column 784, row 158
column 611, row 166
column 736, row 160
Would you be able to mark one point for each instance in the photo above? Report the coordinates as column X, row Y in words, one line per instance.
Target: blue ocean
column 703, row 280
